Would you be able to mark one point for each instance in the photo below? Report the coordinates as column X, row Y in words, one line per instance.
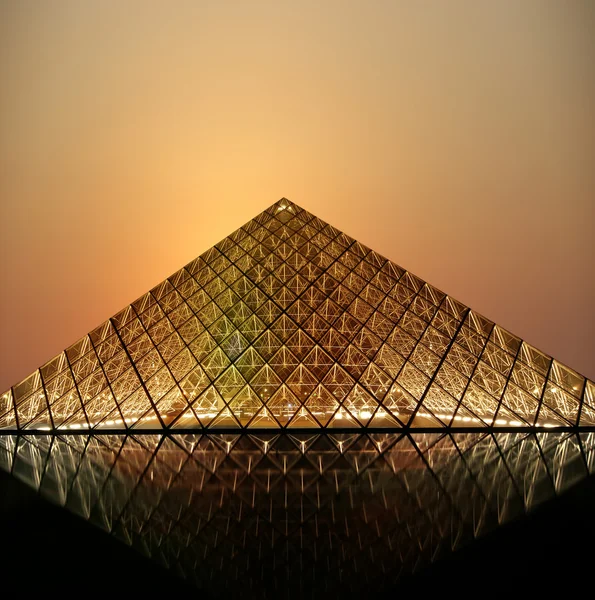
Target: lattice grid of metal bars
column 287, row 337
column 290, row 323
column 236, row 513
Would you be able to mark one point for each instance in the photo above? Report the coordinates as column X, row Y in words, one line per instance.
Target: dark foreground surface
column 46, row 549
column 552, row 550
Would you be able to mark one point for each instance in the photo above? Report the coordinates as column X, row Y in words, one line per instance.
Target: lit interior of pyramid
column 293, row 412
column 290, row 323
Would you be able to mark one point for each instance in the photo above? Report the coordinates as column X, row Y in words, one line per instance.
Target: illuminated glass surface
column 291, row 405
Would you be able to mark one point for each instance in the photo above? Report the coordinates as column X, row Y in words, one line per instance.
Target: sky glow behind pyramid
column 290, row 323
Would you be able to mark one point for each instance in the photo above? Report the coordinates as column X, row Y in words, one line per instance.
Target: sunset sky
column 455, row 138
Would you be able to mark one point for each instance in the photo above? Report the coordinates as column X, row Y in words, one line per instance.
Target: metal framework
column 292, row 406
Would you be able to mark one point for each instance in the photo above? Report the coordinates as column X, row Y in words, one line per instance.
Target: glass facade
column 293, row 406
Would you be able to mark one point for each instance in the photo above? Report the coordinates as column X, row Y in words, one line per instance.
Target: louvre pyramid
column 229, row 410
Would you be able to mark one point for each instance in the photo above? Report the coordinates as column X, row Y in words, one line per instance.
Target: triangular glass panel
column 283, row 362
column 302, row 382
column 114, row 420
column 384, row 419
column 208, row 405
column 138, row 407
column 360, row 404
column 587, row 416
column 424, row 417
column 303, row 418
column 245, row 404
column 284, row 404
column 249, row 363
column 265, row 382
column 229, row 383
column 264, row 418
column 187, row 420
column 322, row 404
column 224, row 420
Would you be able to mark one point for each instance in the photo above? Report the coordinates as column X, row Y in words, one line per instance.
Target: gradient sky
column 455, row 138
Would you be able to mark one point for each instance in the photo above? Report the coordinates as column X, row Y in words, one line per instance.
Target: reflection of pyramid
column 291, row 388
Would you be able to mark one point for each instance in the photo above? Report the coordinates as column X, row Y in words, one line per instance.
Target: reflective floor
column 241, row 513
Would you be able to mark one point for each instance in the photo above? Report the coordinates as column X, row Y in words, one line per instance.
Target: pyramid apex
column 283, row 204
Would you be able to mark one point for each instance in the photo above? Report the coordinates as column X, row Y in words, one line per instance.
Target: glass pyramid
column 293, row 407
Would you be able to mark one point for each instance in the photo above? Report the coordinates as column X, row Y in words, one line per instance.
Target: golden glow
column 125, row 155
column 362, row 343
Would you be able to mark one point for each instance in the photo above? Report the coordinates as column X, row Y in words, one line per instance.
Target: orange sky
column 457, row 139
